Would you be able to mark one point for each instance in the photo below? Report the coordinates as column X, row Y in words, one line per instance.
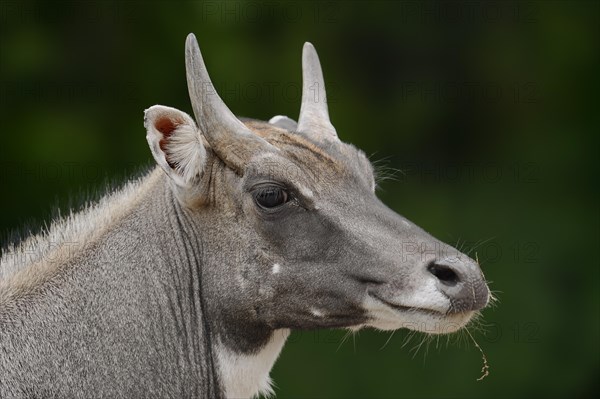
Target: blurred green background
column 488, row 108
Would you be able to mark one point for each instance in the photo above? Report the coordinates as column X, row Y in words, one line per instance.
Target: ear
column 176, row 144
column 284, row 122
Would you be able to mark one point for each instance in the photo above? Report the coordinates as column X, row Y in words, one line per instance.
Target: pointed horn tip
column 191, row 44
column 309, row 54
column 308, row 48
column 190, row 37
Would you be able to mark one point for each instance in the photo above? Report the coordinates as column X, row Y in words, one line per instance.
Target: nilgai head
column 291, row 231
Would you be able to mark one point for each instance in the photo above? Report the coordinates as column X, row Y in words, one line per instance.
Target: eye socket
column 270, row 196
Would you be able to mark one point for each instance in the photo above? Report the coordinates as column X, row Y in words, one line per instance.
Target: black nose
column 444, row 273
column 462, row 282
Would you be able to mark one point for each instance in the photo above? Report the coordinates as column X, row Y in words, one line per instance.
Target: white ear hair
column 284, row 122
column 176, row 143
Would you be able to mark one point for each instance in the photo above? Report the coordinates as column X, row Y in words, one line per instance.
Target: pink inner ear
column 166, row 126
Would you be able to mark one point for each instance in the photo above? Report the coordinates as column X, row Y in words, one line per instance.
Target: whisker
column 460, row 246
column 344, row 338
column 417, row 347
column 384, row 172
column 480, row 243
column 388, row 340
column 408, row 338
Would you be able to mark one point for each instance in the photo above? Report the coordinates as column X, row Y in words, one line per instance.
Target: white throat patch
column 247, row 375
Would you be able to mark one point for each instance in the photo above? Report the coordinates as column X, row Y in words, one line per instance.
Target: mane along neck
column 41, row 257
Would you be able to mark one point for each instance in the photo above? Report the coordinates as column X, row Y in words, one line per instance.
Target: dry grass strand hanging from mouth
column 485, row 370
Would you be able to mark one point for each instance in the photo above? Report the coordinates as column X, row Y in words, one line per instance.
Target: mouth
column 408, row 309
column 387, row 315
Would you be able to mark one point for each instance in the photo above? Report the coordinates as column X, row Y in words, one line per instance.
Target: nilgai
column 187, row 281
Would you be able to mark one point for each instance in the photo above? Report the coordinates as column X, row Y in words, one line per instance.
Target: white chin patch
column 384, row 317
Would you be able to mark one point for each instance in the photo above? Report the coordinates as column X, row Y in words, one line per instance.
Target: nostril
column 444, row 273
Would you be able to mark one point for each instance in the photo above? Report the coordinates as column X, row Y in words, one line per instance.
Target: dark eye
column 270, row 197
